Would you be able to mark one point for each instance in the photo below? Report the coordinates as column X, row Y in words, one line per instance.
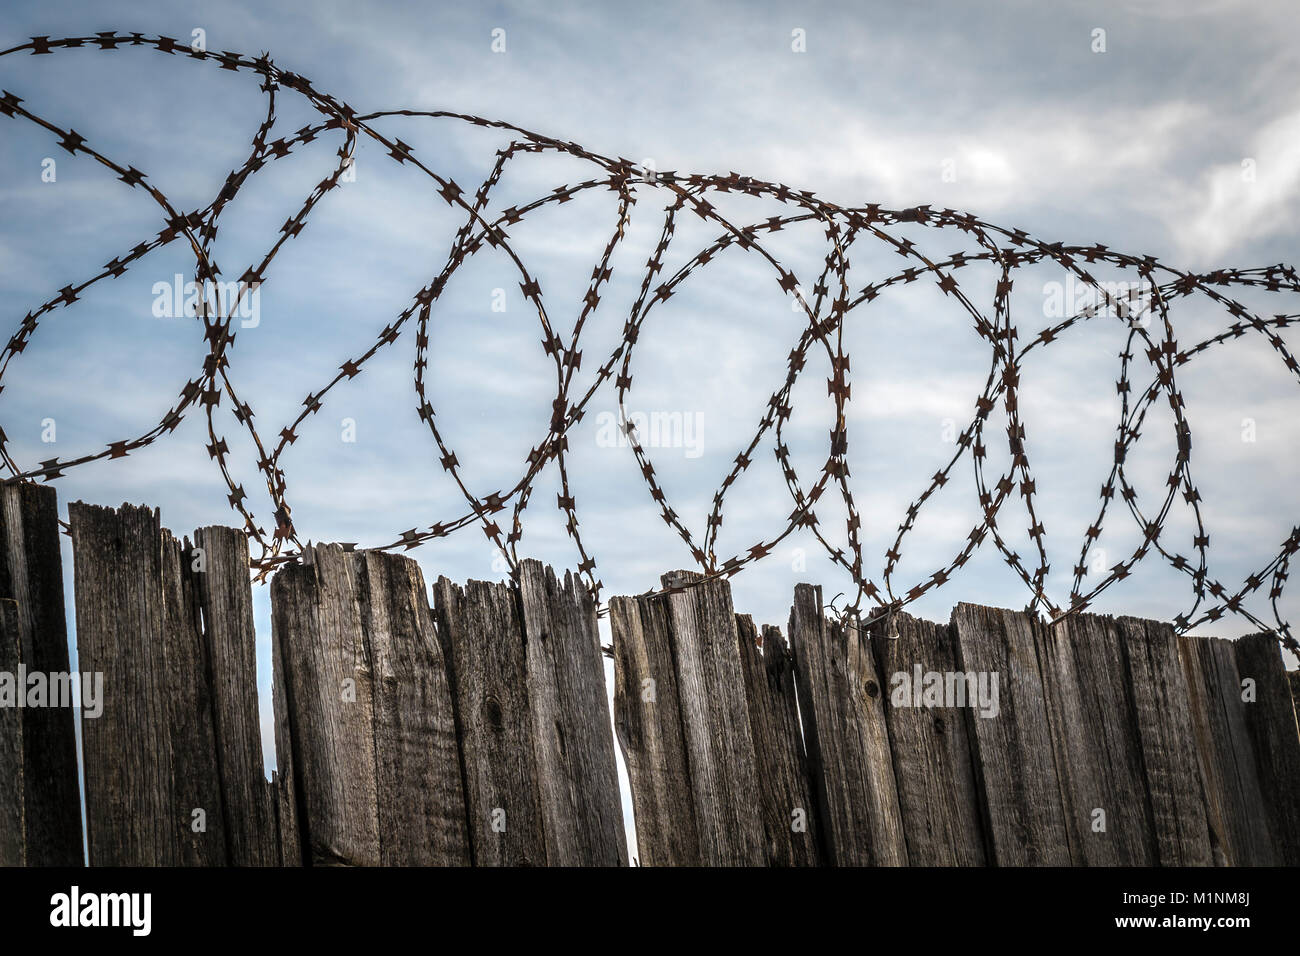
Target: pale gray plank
column 937, row 792
column 1162, row 711
column 715, row 721
column 1237, row 811
column 647, row 718
column 846, row 736
column 1024, row 821
column 1096, row 743
column 573, row 743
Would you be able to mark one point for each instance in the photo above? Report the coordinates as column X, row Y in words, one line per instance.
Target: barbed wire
column 831, row 301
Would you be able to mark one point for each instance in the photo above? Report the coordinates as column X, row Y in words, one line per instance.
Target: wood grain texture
column 1271, row 721
column 847, row 738
column 715, row 722
column 225, row 596
column 13, row 809
column 1236, row 807
column 937, row 792
column 316, row 620
column 482, row 636
column 284, row 791
column 1016, row 770
column 31, row 575
column 1096, row 743
column 479, row 732
column 1162, row 713
column 573, row 739
column 150, row 759
column 647, row 719
column 418, row 776
column 784, row 786
column 369, row 710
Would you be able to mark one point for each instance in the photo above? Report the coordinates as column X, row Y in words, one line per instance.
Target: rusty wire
column 831, row 302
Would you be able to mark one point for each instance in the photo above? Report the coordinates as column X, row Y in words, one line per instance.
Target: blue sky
column 1006, row 112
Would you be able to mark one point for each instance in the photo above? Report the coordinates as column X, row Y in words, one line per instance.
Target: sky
column 1174, row 132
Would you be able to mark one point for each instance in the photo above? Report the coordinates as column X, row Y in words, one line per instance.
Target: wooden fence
column 476, row 731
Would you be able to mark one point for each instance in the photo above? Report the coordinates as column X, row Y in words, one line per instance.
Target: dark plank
column 715, row 722
column 1162, row 713
column 573, row 741
column 13, row 831
column 647, row 718
column 1021, row 798
column 221, row 574
column 482, row 637
column 846, row 736
column 937, row 792
column 1096, row 743
column 790, row 825
column 1271, row 721
column 31, row 574
column 283, row 787
column 150, row 759
column 1237, row 811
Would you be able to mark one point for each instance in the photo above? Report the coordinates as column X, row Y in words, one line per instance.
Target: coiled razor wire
column 831, row 302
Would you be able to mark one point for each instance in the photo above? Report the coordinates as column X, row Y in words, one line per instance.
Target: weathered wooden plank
column 647, row 718
column 370, row 716
column 221, row 572
column 31, row 574
column 715, row 721
column 1014, row 764
column 790, row 826
column 153, row 792
column 1096, row 743
column 421, row 797
column 929, row 742
column 482, row 638
column 13, row 810
column 1237, row 811
column 283, row 786
column 317, row 619
column 1271, row 721
column 847, row 738
column 573, row 741
column 197, row 780
column 1162, row 714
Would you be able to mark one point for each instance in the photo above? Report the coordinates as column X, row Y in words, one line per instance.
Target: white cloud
column 1256, row 196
